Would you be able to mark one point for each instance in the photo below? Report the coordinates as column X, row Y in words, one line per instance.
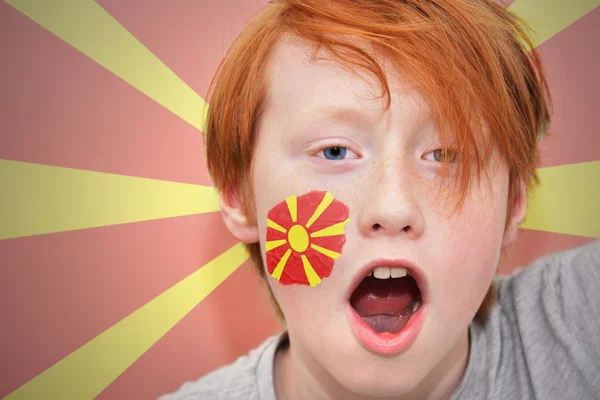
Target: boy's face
column 386, row 170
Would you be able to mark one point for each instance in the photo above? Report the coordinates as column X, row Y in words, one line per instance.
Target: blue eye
column 335, row 153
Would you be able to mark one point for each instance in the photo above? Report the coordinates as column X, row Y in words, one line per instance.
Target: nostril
column 406, row 229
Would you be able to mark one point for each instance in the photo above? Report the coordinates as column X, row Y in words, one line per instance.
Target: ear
column 236, row 219
column 518, row 210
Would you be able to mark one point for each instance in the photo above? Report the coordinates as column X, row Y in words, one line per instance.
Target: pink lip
column 387, row 343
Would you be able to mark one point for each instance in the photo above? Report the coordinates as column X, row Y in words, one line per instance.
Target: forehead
column 298, row 79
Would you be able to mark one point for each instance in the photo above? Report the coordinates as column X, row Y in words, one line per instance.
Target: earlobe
column 236, row 220
column 518, row 210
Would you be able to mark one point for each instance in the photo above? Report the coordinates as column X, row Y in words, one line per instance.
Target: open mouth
column 386, row 299
column 386, row 307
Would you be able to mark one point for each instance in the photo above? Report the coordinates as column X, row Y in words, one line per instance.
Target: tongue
column 385, row 304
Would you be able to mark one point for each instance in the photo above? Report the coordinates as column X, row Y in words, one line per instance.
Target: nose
column 392, row 205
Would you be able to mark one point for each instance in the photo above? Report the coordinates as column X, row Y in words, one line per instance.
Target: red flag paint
column 305, row 234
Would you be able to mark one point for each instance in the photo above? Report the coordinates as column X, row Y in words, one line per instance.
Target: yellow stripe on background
column 549, row 17
column 38, row 199
column 567, row 200
column 87, row 371
column 89, row 28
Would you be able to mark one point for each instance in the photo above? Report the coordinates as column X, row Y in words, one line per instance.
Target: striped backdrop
column 118, row 279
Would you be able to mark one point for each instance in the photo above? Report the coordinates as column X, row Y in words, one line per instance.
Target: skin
column 389, row 179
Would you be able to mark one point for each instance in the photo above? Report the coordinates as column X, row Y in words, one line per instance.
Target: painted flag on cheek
column 305, row 234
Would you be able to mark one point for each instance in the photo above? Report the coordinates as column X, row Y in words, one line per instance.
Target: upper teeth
column 386, row 272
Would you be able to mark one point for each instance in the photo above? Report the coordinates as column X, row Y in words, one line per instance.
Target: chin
column 365, row 373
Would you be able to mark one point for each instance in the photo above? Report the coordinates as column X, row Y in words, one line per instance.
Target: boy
column 417, row 123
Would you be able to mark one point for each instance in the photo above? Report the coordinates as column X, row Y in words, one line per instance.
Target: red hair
column 469, row 59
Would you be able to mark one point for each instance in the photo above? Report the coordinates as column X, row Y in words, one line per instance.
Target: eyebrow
column 335, row 113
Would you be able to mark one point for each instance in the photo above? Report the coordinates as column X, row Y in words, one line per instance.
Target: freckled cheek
column 300, row 304
column 472, row 251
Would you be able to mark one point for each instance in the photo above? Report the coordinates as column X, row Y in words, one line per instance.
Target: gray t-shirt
column 542, row 341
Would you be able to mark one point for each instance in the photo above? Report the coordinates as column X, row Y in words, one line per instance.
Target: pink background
column 59, row 107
